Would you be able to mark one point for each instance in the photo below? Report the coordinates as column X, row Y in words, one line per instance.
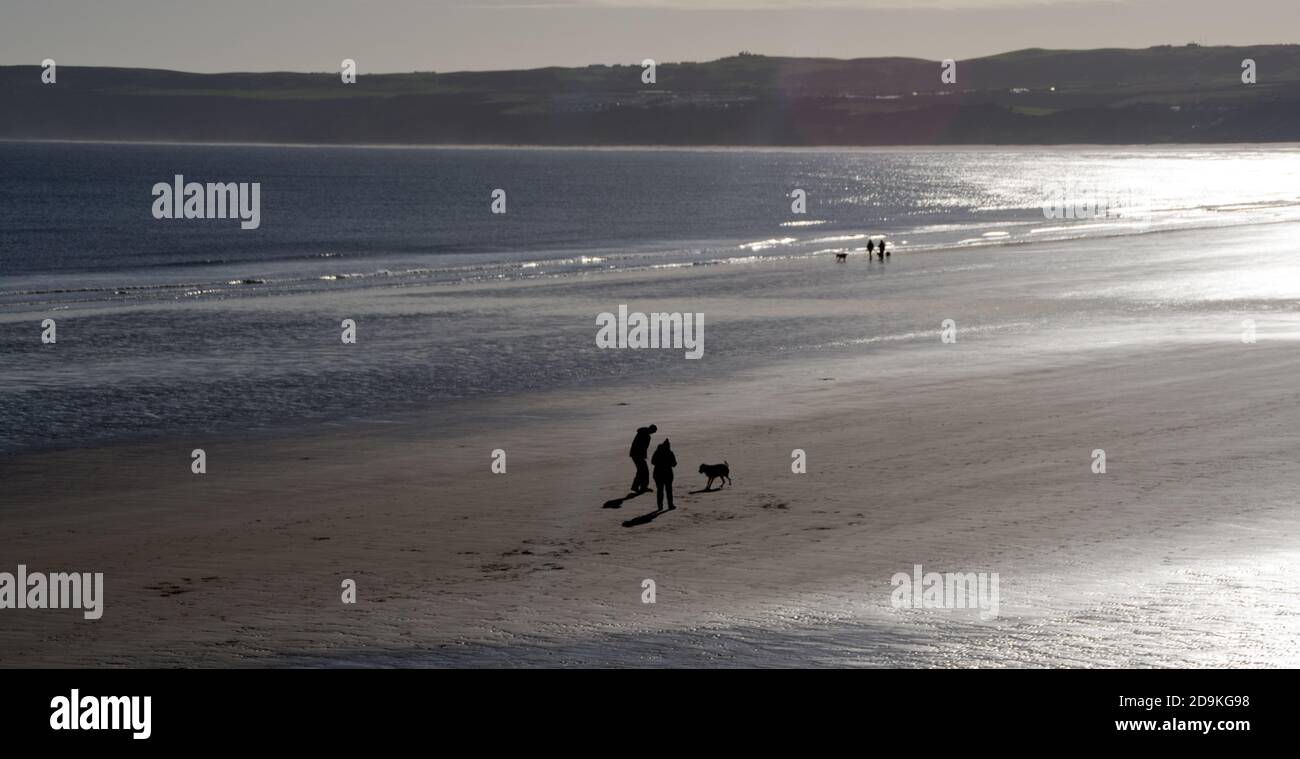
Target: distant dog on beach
column 841, row 256
column 716, row 472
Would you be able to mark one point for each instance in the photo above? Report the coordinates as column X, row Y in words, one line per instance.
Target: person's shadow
column 617, row 503
column 643, row 519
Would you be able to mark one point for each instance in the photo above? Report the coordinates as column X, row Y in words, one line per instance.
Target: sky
column 450, row 35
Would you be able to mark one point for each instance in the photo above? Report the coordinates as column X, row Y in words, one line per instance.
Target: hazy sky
column 445, row 35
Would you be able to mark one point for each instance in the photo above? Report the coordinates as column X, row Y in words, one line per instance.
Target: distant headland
column 1166, row 94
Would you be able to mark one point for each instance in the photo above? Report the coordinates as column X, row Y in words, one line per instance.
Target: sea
column 166, row 327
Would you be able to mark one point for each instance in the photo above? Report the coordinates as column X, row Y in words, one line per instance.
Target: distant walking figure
column 871, row 247
column 663, row 462
column 880, row 251
column 882, row 247
column 641, row 447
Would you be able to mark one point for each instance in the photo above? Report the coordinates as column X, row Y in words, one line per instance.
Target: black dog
column 716, row 472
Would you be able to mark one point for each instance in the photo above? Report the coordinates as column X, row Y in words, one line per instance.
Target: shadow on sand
column 617, row 503
column 644, row 519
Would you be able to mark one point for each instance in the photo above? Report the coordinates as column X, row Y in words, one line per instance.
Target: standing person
column 871, row 247
column 641, row 447
column 882, row 247
column 663, row 462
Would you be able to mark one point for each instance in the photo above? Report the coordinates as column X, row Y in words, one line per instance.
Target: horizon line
column 636, row 64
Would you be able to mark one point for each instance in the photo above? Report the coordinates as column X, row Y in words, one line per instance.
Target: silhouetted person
column 641, row 447
column 663, row 462
column 880, row 251
column 871, row 247
column 882, row 247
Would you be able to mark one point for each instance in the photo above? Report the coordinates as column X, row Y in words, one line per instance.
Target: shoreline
column 971, row 456
column 591, row 286
column 890, row 148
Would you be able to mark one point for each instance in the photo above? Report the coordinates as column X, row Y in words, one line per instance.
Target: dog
column 841, row 256
column 716, row 472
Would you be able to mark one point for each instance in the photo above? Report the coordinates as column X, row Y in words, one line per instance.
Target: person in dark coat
column 641, row 447
column 871, row 247
column 663, row 461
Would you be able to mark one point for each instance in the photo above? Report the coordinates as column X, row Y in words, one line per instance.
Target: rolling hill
column 1156, row 95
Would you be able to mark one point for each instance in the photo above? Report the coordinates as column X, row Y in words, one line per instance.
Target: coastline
column 967, row 456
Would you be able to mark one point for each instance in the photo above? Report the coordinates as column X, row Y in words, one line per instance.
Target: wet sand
column 973, row 456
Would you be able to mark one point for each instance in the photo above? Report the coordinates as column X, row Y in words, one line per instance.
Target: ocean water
column 186, row 327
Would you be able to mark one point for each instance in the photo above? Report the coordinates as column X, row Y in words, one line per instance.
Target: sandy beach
column 968, row 456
